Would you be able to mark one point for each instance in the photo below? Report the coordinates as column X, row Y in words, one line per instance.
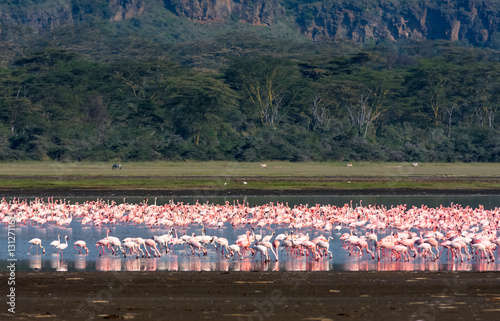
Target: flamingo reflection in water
column 173, row 262
column 191, row 264
column 58, row 263
column 321, row 265
column 236, row 266
column 35, row 262
column 108, row 263
column 245, row 265
column 80, row 262
column 221, row 265
column 149, row 264
column 62, row 266
column 207, row 265
column 295, row 264
column 132, row 265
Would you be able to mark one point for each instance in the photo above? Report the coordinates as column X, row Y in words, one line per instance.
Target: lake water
column 181, row 260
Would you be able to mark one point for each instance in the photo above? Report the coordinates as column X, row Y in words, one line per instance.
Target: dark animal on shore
column 117, row 166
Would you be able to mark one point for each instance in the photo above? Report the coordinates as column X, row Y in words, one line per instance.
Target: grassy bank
column 226, row 176
column 244, row 169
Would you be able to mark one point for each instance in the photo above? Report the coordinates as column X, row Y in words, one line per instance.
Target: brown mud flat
column 256, row 296
column 419, row 182
column 134, row 192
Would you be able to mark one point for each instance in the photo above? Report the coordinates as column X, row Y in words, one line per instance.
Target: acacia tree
column 268, row 86
column 358, row 103
column 370, row 107
column 433, row 87
column 321, row 115
column 485, row 98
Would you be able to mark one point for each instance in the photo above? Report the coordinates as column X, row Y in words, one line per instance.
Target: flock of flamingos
column 375, row 232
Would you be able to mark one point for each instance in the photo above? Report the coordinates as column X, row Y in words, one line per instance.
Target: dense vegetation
column 103, row 91
column 369, row 104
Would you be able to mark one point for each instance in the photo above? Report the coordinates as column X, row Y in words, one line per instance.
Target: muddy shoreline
column 278, row 296
column 421, row 186
column 136, row 192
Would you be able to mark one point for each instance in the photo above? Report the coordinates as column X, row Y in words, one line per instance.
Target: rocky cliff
column 35, row 19
column 473, row 21
column 45, row 15
column 256, row 12
column 126, row 9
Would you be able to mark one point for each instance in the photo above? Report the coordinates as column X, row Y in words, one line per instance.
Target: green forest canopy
column 255, row 99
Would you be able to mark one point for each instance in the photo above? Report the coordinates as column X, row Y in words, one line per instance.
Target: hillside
column 249, row 80
column 24, row 22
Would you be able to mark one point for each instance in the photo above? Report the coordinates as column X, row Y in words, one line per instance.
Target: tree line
column 376, row 103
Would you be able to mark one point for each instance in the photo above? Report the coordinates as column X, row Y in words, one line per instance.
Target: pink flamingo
column 233, row 248
column 152, row 245
column 276, row 244
column 311, row 246
column 269, row 246
column 102, row 243
column 82, row 245
column 196, row 245
column 434, row 243
column 362, row 244
column 36, row 241
column 133, row 247
column 222, row 243
column 114, row 242
column 458, row 245
column 141, row 241
column 401, row 250
column 410, row 244
column 384, row 245
column 427, row 248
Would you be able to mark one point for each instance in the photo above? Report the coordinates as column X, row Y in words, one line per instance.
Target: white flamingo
column 325, row 246
column 263, row 252
column 62, row 246
column 56, row 243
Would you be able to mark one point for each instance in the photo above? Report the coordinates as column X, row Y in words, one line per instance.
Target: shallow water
column 181, row 259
